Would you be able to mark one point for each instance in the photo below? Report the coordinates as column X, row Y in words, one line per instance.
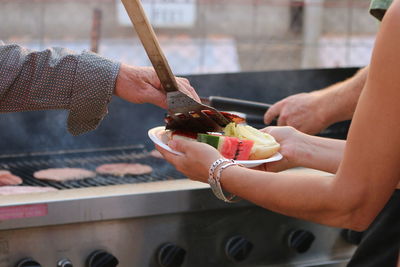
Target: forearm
column 338, row 101
column 57, row 79
column 308, row 197
column 320, row 153
column 35, row 80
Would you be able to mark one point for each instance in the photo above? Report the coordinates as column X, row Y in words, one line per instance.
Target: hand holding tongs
column 184, row 113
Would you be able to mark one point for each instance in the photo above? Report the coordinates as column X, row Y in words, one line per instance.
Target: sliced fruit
column 244, row 149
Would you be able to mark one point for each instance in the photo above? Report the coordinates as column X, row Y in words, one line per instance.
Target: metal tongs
column 184, row 113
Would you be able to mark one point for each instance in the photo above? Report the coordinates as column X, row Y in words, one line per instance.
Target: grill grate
column 25, row 165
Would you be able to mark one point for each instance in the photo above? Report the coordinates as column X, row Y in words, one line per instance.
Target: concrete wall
column 73, row 19
column 53, row 19
column 348, row 17
column 261, row 28
column 242, row 19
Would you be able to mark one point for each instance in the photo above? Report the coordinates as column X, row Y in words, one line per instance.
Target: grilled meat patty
column 121, row 169
column 7, row 178
column 63, row 174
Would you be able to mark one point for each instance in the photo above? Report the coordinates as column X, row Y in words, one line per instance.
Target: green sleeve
column 379, row 7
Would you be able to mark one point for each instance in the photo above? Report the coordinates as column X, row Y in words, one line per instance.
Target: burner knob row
column 237, row 249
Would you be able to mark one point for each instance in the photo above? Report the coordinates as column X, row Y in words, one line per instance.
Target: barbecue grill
column 157, row 219
column 25, row 166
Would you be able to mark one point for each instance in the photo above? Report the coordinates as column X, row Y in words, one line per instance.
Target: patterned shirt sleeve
column 57, row 78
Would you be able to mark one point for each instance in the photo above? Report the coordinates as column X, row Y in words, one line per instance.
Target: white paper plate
column 158, row 136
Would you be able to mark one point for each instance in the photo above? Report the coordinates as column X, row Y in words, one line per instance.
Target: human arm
column 314, row 111
column 83, row 83
column 302, row 150
column 57, row 78
column 368, row 173
column 299, row 195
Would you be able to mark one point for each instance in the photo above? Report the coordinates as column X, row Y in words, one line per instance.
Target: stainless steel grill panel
column 25, row 165
column 132, row 221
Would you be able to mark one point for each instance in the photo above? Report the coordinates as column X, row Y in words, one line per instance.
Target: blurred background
column 203, row 36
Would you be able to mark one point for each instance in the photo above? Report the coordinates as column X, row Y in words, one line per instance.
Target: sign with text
column 23, row 211
column 164, row 13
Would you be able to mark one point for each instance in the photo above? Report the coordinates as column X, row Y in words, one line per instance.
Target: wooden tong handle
column 150, row 43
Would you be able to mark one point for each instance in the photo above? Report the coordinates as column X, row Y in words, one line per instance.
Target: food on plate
column 238, row 141
column 265, row 144
column 121, row 169
column 7, row 178
column 11, row 190
column 63, row 174
column 230, row 116
column 198, row 124
column 156, row 154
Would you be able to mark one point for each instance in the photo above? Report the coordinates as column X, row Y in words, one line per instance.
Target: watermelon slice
column 209, row 139
column 244, row 149
column 229, row 147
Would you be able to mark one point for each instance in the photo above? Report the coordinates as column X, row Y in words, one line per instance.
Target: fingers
column 176, row 145
column 267, row 129
column 142, row 85
column 272, row 112
column 156, row 97
column 282, row 121
column 276, row 166
column 168, row 156
column 183, row 145
column 195, row 159
column 185, row 87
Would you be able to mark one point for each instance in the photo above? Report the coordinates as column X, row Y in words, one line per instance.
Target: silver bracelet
column 215, row 165
column 220, row 194
column 211, row 180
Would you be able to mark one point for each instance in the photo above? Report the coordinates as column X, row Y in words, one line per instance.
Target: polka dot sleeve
column 91, row 92
column 57, row 78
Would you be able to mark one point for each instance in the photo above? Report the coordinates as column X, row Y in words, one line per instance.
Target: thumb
column 268, row 129
column 155, row 97
column 179, row 145
column 272, row 113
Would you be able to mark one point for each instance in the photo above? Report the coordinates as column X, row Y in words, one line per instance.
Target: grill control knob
column 101, row 258
column 28, row 262
column 300, row 240
column 352, row 237
column 64, row 263
column 170, row 255
column 238, row 248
